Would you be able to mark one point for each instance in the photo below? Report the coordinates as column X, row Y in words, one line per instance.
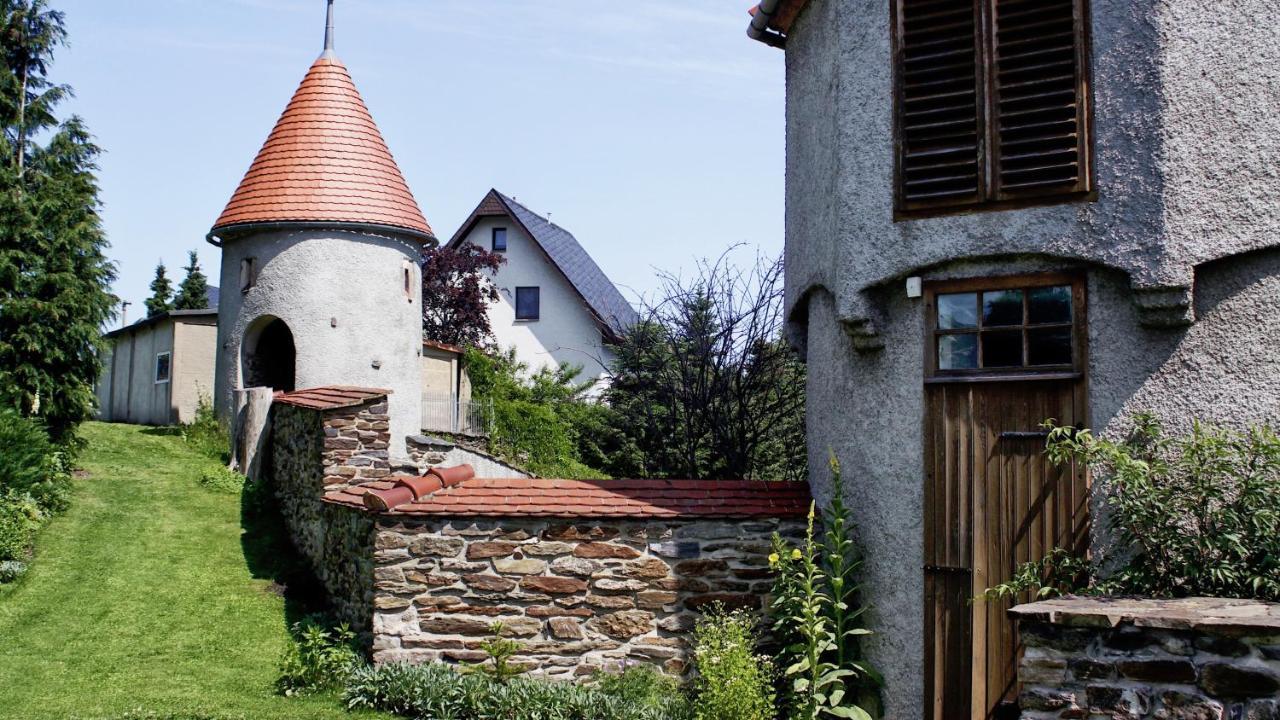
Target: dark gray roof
column 601, row 295
column 211, row 295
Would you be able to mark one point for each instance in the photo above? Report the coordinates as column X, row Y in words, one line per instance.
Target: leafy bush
column 817, row 617
column 1191, row 515
column 11, row 570
column 499, row 650
column 319, row 659
column 31, row 465
column 19, row 519
column 535, row 415
column 439, row 691
column 208, row 434
column 734, row 683
column 222, row 479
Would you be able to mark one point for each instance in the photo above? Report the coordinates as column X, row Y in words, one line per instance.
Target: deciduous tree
column 456, row 293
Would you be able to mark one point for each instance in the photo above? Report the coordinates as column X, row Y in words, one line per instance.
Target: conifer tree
column 161, row 299
column 54, row 277
column 193, row 293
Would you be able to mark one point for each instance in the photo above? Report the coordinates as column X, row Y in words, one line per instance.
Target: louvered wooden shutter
column 940, row 135
column 1039, row 103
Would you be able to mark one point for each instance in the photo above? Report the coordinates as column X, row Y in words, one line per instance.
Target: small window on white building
column 499, row 239
column 528, row 303
column 247, row 274
column 164, row 367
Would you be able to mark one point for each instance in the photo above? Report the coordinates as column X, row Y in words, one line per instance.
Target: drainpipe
column 759, row 27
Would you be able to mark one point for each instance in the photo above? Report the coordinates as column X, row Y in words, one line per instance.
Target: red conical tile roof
column 325, row 161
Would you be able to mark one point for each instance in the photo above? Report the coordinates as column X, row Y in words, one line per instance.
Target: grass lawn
column 141, row 597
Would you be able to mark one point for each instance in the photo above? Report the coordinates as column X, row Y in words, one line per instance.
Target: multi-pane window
column 499, row 239
column 992, row 103
column 1005, row 328
column 528, row 303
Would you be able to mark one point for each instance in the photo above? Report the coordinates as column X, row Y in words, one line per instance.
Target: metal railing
column 446, row 414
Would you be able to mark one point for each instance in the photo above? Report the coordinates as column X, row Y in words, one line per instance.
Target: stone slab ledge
column 1217, row 615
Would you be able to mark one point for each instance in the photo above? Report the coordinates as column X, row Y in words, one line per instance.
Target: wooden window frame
column 988, row 160
column 537, row 291
column 493, row 240
column 1079, row 328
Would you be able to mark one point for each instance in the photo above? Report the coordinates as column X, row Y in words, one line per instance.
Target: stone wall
column 1194, row 659
column 429, row 451
column 318, row 450
column 577, row 597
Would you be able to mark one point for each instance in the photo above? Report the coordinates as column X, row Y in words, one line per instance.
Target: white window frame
column 156, row 373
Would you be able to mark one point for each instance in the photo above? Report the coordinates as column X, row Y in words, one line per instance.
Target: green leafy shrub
column 439, row 691
column 19, row 519
column 538, row 420
column 319, row 659
column 222, row 479
column 31, row 465
column 500, row 651
column 734, row 682
column 208, row 434
column 817, row 616
column 1191, row 515
column 643, row 686
column 11, row 570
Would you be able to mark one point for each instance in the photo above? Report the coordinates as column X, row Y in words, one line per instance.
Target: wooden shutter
column 1039, row 99
column 939, row 116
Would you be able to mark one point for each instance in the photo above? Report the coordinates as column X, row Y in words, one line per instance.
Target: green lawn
column 141, row 597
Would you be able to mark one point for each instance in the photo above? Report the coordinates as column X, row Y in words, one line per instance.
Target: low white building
column 557, row 305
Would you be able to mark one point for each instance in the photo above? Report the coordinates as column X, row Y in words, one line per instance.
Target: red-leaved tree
column 457, row 290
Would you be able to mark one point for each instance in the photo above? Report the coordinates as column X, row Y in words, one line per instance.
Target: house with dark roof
column 156, row 370
column 557, row 305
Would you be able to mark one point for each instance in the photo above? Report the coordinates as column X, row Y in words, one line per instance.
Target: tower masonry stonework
column 321, row 246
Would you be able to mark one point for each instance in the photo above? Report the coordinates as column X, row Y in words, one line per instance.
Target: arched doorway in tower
column 269, row 355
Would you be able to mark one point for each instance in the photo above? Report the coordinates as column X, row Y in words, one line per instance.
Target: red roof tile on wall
column 537, row 497
column 331, row 398
column 325, row 161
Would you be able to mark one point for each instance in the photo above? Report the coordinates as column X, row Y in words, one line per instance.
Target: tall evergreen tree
column 161, row 299
column 193, row 293
column 54, row 277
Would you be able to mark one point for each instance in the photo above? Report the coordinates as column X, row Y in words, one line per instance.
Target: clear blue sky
column 653, row 130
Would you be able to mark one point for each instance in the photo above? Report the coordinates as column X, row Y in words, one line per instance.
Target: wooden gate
column 992, row 500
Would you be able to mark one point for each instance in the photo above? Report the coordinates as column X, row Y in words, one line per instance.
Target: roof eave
column 223, row 233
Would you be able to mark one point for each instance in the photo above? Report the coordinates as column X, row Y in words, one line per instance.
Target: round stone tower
column 320, row 245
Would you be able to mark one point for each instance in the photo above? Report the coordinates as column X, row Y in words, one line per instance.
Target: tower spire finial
column 328, row 30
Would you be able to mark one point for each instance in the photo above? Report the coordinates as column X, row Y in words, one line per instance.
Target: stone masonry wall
column 578, row 597
column 1095, row 666
column 314, row 451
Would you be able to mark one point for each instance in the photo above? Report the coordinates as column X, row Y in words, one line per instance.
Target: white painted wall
column 342, row 295
column 127, row 391
column 566, row 331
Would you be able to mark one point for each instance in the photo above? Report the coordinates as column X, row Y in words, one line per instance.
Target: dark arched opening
column 269, row 356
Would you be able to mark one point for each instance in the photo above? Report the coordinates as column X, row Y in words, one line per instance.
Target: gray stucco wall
column 1187, row 150
column 868, row 408
column 1188, row 146
column 342, row 295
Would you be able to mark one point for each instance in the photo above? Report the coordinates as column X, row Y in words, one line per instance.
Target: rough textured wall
column 577, row 597
column 313, row 452
column 1167, row 660
column 130, row 394
column 426, row 452
column 1187, row 147
column 342, row 295
column 868, row 408
column 195, row 352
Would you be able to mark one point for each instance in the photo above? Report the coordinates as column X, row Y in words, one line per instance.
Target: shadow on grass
column 270, row 554
column 163, row 430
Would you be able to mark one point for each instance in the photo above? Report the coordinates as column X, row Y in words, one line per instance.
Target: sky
column 651, row 130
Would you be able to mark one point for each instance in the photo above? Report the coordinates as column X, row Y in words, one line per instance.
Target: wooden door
column 992, row 499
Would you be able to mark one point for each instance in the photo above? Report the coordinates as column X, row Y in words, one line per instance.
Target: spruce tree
column 54, row 277
column 161, row 299
column 193, row 293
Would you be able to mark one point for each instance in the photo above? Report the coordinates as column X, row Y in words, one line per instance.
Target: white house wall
column 128, row 391
column 565, row 332
column 195, row 350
